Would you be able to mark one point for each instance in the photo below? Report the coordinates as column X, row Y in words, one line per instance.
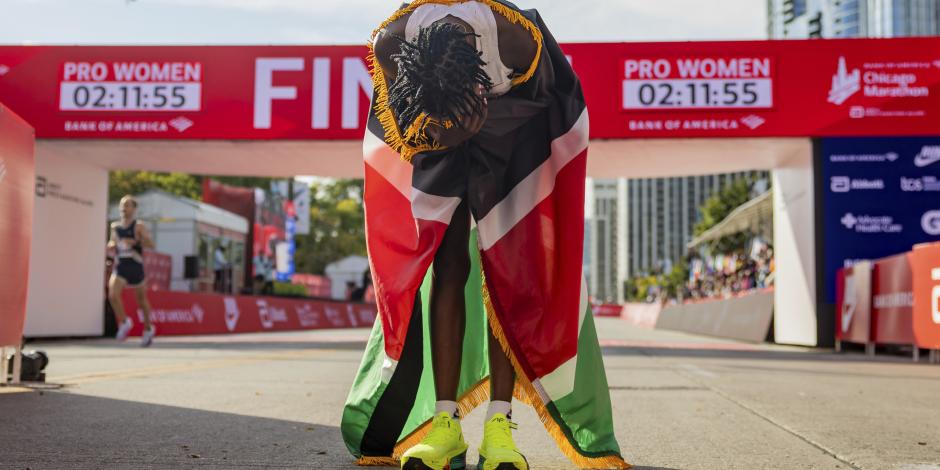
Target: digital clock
column 642, row 94
column 130, row 96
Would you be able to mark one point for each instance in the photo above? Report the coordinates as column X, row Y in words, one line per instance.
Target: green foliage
column 720, row 205
column 121, row 183
column 337, row 225
column 284, row 289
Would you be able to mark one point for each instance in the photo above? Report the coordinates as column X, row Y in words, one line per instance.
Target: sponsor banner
column 606, row 310
column 731, row 89
column 925, row 263
column 17, row 174
column 183, row 313
column 881, row 196
column 853, row 303
column 892, row 301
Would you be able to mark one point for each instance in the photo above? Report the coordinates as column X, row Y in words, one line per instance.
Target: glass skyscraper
column 800, row 19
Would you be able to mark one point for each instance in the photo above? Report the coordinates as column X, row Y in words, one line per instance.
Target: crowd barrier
column 641, row 315
column 894, row 300
column 183, row 313
column 17, row 187
column 747, row 317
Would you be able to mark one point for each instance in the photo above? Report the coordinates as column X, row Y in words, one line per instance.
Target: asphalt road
column 274, row 401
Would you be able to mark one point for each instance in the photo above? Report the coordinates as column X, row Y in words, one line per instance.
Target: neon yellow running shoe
column 499, row 451
column 442, row 449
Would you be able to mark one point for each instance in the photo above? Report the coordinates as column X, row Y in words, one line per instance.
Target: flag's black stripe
column 392, row 410
column 516, row 138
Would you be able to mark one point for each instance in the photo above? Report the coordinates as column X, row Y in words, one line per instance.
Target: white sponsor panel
column 935, row 296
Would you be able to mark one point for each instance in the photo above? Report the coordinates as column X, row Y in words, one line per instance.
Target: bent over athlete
column 476, row 113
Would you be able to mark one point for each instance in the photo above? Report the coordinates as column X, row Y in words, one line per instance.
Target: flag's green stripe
column 365, row 392
column 475, row 365
column 585, row 414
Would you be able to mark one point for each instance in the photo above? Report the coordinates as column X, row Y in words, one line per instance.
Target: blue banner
column 881, row 197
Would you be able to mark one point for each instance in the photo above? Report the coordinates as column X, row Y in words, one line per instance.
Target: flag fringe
column 377, row 462
column 414, row 140
column 526, row 392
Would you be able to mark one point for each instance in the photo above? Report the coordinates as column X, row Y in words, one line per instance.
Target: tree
column 121, row 183
column 717, row 207
column 337, row 225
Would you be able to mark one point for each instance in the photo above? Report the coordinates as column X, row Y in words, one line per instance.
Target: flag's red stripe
column 534, row 276
column 400, row 251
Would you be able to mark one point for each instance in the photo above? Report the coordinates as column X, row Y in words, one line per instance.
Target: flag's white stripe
column 388, row 368
column 426, row 206
column 387, row 162
column 560, row 382
column 535, row 187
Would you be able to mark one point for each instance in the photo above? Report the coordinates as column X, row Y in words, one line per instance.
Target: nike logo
column 928, row 155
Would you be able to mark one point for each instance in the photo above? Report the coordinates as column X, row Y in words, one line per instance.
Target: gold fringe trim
column 377, row 462
column 414, row 140
column 526, row 392
column 473, row 398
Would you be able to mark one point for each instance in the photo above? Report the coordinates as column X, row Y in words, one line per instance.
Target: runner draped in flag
column 476, row 114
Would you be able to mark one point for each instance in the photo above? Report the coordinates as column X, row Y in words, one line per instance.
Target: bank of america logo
column 928, row 155
column 844, row 83
column 753, row 121
column 3, row 170
column 181, row 124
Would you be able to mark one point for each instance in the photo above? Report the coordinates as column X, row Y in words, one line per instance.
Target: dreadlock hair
column 438, row 71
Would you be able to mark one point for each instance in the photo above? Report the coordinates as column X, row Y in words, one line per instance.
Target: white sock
column 445, row 406
column 501, row 407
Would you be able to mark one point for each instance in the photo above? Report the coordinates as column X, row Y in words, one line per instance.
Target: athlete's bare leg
column 115, row 286
column 143, row 303
column 502, row 376
column 448, row 311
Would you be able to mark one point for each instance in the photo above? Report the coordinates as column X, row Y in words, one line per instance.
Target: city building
column 641, row 226
column 800, row 19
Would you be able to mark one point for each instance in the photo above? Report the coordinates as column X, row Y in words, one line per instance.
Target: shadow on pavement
column 65, row 430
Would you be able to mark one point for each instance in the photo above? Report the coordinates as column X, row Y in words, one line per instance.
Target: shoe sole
column 457, row 463
column 502, row 466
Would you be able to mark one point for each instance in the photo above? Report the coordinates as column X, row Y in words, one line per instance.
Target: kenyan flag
column 523, row 177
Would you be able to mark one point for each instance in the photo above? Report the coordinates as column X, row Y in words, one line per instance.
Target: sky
column 351, row 21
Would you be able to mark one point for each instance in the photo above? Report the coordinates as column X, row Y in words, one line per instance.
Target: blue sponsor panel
column 882, row 196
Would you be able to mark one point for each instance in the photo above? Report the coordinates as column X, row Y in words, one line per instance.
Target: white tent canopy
column 752, row 216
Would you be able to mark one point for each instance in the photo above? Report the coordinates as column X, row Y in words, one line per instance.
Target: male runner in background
column 128, row 239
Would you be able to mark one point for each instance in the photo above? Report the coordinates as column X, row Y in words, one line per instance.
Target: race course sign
column 816, row 88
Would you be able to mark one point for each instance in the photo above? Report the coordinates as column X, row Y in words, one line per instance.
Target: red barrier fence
column 17, row 183
column 853, row 291
column 183, row 313
column 895, row 300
